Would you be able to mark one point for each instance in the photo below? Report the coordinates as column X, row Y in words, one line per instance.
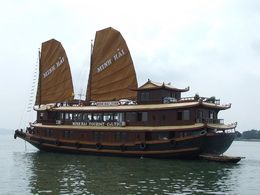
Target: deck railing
column 204, row 99
column 209, row 120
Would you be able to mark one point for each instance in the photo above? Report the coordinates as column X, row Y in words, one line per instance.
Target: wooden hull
column 188, row 148
column 222, row 159
column 218, row 143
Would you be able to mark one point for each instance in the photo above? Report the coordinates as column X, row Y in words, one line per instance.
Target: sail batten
column 112, row 74
column 55, row 81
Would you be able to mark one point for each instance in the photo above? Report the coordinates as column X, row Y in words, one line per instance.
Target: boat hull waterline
column 184, row 148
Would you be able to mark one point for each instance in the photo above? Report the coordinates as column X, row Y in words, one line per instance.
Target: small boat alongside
column 221, row 158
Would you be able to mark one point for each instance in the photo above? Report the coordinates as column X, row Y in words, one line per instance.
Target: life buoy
column 123, row 147
column 203, row 132
column 142, row 146
column 57, row 143
column 98, row 146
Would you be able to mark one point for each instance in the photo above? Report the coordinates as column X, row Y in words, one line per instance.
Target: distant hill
column 248, row 135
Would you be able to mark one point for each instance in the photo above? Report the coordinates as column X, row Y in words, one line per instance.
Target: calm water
column 25, row 170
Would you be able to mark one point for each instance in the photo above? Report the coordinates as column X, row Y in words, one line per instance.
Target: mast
column 89, row 78
column 39, row 82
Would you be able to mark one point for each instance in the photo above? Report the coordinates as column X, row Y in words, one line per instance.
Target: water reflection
column 73, row 174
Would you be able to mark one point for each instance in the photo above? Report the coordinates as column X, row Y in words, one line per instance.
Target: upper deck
column 135, row 107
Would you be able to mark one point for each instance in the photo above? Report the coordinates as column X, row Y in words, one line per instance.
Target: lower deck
column 122, row 141
column 116, row 135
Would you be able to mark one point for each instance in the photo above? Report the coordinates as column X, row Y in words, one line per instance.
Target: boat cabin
column 187, row 113
column 158, row 93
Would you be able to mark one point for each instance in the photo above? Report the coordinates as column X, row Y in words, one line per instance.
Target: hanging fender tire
column 98, row 146
column 203, row 132
column 143, row 146
column 122, row 147
column 57, row 142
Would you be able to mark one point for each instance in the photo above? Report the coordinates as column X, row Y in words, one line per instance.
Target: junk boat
column 118, row 118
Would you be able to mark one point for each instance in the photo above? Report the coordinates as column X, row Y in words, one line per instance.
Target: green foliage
column 251, row 134
column 211, row 99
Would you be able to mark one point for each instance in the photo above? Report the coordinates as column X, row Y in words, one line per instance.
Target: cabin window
column 200, row 114
column 159, row 136
column 119, row 117
column 186, row 115
column 53, row 115
column 68, row 116
column 144, row 96
column 67, row 134
column 41, row 115
column 173, row 95
column 163, row 135
column 211, row 114
column 61, row 116
column 199, row 118
column 48, row 132
column 179, row 115
column 179, row 134
column 139, row 116
column 142, row 116
column 131, row 116
column 87, row 117
column 108, row 117
column 97, row 117
column 77, row 117
column 183, row 115
column 80, row 117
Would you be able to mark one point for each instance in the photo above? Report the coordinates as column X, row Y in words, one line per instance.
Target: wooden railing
column 211, row 121
column 204, row 99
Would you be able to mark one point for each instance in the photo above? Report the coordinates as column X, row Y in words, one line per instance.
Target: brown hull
column 218, row 143
column 188, row 148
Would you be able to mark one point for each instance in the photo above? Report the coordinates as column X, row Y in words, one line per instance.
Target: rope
column 28, row 107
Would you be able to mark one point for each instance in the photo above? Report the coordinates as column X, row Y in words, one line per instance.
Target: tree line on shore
column 250, row 134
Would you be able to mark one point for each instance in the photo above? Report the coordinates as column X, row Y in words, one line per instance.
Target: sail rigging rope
column 82, row 80
column 28, row 107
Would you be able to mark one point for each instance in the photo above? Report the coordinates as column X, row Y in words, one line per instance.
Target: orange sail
column 112, row 75
column 55, row 82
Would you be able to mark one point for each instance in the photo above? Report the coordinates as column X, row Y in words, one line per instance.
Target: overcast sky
column 211, row 46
